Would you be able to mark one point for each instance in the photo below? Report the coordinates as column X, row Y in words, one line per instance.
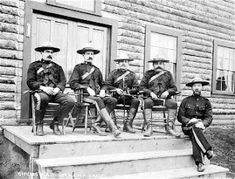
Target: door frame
column 45, row 9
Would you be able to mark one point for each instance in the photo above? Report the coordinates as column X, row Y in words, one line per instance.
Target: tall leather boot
column 104, row 114
column 170, row 122
column 127, row 127
column 114, row 118
column 96, row 127
column 56, row 129
column 39, row 122
column 147, row 118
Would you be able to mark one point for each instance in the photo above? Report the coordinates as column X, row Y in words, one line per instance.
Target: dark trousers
column 129, row 100
column 41, row 102
column 199, row 143
column 100, row 103
column 169, row 103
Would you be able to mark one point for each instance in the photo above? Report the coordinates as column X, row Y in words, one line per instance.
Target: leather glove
column 56, row 91
column 164, row 94
column 91, row 91
column 48, row 90
column 154, row 96
column 102, row 93
column 200, row 125
column 119, row 91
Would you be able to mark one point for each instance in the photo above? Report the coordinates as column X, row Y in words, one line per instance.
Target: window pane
column 220, row 81
column 164, row 46
column 83, row 4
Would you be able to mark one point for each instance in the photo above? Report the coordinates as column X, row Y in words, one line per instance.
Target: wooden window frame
column 97, row 7
column 165, row 31
column 32, row 7
column 215, row 47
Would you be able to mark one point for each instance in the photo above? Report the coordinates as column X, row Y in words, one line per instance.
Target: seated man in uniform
column 124, row 82
column 89, row 77
column 47, row 79
column 158, row 84
column 195, row 114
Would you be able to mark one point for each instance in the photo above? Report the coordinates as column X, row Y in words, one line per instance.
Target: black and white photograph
column 117, row 89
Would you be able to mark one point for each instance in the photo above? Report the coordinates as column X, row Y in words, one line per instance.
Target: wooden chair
column 49, row 114
column 79, row 94
column 161, row 108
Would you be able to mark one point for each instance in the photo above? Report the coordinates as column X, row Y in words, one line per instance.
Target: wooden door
column 69, row 36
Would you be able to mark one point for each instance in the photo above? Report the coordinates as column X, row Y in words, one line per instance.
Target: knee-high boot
column 96, row 126
column 114, row 118
column 104, row 114
column 170, row 123
column 148, row 121
column 127, row 127
column 39, row 114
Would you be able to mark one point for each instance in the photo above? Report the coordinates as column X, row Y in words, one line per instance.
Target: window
column 89, row 6
column 165, row 43
column 224, row 68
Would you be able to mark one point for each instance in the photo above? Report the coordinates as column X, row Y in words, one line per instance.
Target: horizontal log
column 139, row 50
column 7, row 105
column 8, row 114
column 7, row 96
column 131, row 34
column 7, row 71
column 7, row 88
column 197, row 47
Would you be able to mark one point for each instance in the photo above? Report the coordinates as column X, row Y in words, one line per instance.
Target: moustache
column 49, row 56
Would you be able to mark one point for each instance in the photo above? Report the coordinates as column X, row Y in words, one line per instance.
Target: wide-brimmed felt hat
column 46, row 46
column 123, row 57
column 88, row 47
column 159, row 59
column 197, row 80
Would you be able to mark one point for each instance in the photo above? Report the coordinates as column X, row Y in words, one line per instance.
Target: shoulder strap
column 85, row 75
column 156, row 76
column 122, row 76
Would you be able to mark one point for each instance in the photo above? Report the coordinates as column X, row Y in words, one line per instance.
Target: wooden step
column 211, row 172
column 109, row 146
column 116, row 164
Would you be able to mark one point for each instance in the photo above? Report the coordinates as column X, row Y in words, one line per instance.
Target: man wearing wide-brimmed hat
column 89, row 77
column 158, row 84
column 125, row 84
column 195, row 114
column 47, row 79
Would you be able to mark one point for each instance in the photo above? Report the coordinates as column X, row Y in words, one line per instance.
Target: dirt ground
column 223, row 143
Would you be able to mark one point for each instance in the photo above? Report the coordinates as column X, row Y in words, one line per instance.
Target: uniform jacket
column 130, row 81
column 195, row 107
column 162, row 83
column 94, row 81
column 45, row 73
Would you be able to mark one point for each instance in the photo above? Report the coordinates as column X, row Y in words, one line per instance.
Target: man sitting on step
column 124, row 84
column 88, row 76
column 158, row 84
column 195, row 114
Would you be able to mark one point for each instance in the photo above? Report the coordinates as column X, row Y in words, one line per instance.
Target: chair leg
column 63, row 131
column 86, row 119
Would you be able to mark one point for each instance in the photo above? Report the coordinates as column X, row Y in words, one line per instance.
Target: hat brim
column 202, row 82
column 157, row 61
column 41, row 49
column 122, row 59
column 82, row 51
